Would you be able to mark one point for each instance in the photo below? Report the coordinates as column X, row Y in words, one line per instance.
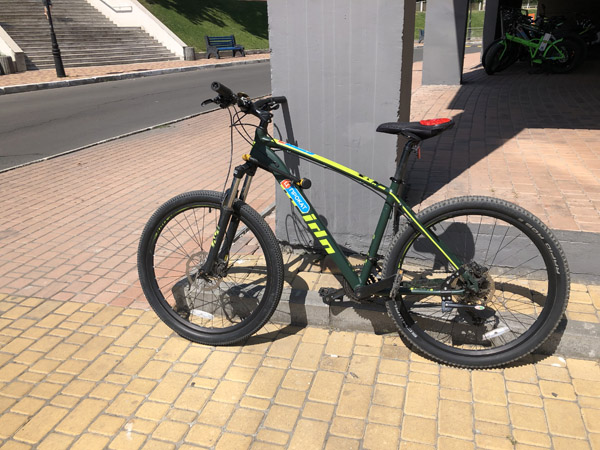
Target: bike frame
column 263, row 155
column 533, row 46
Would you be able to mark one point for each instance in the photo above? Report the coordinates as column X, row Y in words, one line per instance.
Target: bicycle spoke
column 510, row 258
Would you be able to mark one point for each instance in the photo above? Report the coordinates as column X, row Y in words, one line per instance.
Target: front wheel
column 520, row 269
column 499, row 55
column 237, row 297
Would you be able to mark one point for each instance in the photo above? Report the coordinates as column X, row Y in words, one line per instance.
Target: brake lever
column 207, row 101
column 244, row 102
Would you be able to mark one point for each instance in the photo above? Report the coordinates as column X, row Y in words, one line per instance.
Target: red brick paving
column 49, row 75
column 531, row 139
column 70, row 225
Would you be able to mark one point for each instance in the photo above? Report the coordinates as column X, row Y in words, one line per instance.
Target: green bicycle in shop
column 471, row 281
column 544, row 46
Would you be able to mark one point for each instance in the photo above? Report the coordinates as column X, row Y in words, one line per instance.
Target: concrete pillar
column 345, row 67
column 444, row 47
column 490, row 23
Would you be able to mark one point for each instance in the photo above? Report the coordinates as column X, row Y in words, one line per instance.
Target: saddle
column 418, row 131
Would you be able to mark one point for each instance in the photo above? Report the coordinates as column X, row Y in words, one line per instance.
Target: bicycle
column 470, row 281
column 543, row 44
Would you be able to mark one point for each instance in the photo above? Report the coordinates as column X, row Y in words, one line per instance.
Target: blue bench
column 214, row 44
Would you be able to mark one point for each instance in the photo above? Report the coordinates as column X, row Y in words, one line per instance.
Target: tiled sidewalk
column 90, row 376
column 83, row 364
column 533, row 139
column 49, row 75
column 71, row 224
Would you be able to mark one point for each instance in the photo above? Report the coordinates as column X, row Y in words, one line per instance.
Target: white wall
column 130, row 13
column 8, row 47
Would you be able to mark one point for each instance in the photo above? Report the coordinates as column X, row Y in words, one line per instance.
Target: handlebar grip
column 221, row 89
column 281, row 99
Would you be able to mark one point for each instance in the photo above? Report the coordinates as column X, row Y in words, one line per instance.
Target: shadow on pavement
column 513, row 104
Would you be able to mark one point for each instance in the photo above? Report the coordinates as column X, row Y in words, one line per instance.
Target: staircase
column 85, row 36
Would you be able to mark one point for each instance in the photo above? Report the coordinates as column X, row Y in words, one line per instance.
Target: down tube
column 318, row 229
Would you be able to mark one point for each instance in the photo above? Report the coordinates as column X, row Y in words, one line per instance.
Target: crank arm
column 448, row 306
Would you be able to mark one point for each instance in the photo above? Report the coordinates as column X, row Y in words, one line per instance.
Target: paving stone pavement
column 533, row 139
column 93, row 376
column 40, row 77
column 84, row 364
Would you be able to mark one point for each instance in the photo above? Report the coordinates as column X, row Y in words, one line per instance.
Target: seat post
column 398, row 177
column 410, row 146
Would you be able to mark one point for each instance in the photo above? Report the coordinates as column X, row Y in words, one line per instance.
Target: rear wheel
column 565, row 55
column 233, row 301
column 522, row 276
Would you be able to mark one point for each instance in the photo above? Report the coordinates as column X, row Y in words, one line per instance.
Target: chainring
column 349, row 292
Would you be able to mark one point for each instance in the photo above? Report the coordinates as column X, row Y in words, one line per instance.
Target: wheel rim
column 566, row 61
column 523, row 286
column 215, row 304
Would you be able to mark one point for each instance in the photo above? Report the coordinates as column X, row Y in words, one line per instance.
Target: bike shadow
column 301, row 306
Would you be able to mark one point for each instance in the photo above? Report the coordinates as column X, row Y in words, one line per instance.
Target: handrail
column 118, row 9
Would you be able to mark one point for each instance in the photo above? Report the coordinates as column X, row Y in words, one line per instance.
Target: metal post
column 58, row 64
column 470, row 16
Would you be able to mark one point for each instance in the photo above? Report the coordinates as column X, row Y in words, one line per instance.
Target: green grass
column 476, row 23
column 191, row 20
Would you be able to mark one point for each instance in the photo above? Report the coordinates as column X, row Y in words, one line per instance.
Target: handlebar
column 259, row 108
column 223, row 91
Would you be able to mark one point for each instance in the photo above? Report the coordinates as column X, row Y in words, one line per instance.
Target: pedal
column 330, row 295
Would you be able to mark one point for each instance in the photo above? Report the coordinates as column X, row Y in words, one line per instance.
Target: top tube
column 321, row 160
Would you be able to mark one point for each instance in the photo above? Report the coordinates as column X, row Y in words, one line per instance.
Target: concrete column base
column 189, row 54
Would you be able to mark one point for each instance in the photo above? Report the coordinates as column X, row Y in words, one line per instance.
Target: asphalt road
column 35, row 125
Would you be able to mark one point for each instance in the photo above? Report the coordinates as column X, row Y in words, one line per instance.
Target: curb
column 573, row 339
column 104, row 141
column 16, row 89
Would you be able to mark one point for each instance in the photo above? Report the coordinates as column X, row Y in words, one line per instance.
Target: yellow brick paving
column 95, row 376
column 310, row 272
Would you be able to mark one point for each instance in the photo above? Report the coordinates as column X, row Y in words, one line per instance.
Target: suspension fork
column 228, row 222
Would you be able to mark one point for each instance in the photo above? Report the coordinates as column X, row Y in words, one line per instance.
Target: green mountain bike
column 471, row 281
column 542, row 44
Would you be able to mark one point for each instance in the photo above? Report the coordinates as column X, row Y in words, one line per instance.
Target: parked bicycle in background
column 547, row 43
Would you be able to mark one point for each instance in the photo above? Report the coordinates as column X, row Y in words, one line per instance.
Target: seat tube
column 409, row 147
column 398, row 177
column 376, row 241
column 395, row 188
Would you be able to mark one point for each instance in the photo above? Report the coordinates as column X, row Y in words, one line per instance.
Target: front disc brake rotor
column 204, row 283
